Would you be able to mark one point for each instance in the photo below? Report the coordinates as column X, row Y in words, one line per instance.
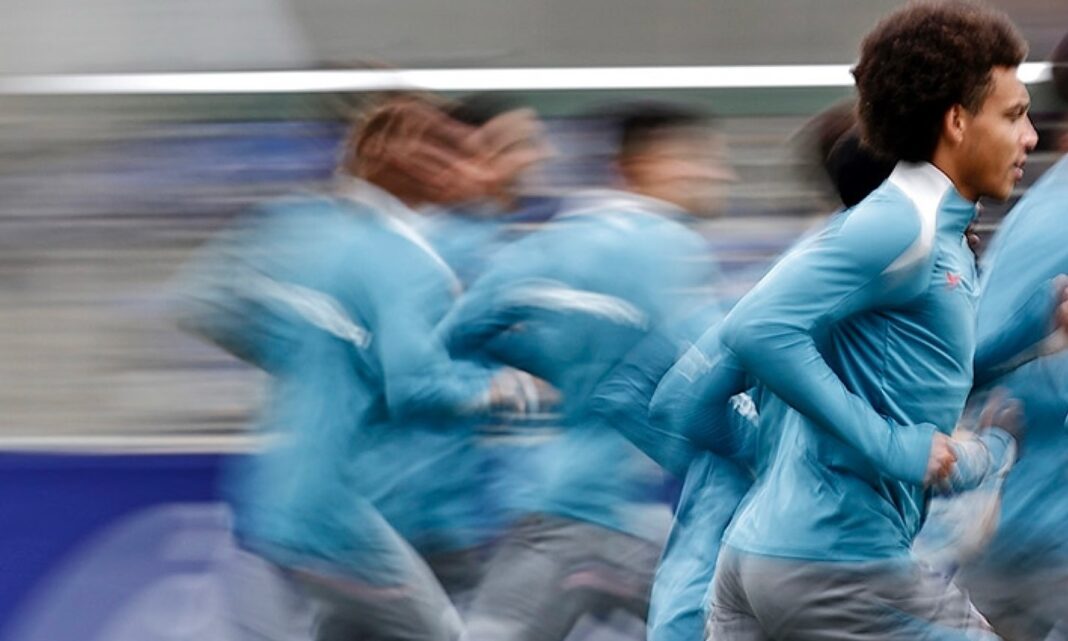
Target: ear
column 955, row 123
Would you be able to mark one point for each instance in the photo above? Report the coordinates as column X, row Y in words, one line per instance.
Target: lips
column 1018, row 169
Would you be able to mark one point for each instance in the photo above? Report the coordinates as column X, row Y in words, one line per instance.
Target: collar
column 379, row 200
column 934, row 195
column 395, row 214
column 601, row 200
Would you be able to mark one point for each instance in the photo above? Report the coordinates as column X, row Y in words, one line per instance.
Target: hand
column 941, row 460
column 548, row 397
column 517, row 391
column 506, row 391
column 1004, row 412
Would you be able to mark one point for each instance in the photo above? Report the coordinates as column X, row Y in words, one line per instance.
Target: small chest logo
column 952, row 280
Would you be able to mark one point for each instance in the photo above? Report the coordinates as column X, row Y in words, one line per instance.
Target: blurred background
column 103, row 194
column 105, row 191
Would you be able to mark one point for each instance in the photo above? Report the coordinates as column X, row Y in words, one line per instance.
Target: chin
column 1000, row 195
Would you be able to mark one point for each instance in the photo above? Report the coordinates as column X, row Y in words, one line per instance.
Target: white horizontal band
column 136, row 443
column 515, row 79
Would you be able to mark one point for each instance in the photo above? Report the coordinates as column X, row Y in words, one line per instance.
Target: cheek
column 656, row 177
column 989, row 151
column 689, row 173
column 1009, row 141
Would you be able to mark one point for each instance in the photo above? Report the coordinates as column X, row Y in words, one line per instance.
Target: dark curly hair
column 920, row 61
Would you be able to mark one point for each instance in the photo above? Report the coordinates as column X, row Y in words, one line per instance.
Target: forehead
column 689, row 140
column 1006, row 89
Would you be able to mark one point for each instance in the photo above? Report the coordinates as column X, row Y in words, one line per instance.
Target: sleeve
column 216, row 299
column 697, row 400
column 1029, row 333
column 864, row 262
column 490, row 306
column 622, row 401
column 569, row 268
column 420, row 378
column 979, row 457
column 524, row 283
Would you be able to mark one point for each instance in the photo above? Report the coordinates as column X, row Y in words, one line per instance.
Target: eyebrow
column 1022, row 106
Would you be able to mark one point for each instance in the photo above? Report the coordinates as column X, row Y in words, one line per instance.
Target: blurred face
column 687, row 168
column 421, row 155
column 996, row 139
column 460, row 174
column 509, row 145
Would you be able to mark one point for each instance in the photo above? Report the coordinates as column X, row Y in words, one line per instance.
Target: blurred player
column 689, row 400
column 566, row 303
column 336, row 297
column 511, row 144
column 1021, row 582
column 437, row 478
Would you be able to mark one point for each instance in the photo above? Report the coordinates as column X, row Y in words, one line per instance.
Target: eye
column 1017, row 113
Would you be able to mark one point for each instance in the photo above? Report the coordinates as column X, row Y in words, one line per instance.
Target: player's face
column 422, row 155
column 689, row 169
column 444, row 159
column 998, row 138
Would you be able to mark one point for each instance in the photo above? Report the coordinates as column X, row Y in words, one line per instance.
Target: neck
column 652, row 193
column 946, row 163
column 395, row 185
column 934, row 193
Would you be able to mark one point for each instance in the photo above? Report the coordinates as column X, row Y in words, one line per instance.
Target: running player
column 566, row 304
column 864, row 338
column 336, row 297
column 1021, row 581
column 693, row 397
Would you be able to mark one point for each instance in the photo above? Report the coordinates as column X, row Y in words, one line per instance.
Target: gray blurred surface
column 55, row 36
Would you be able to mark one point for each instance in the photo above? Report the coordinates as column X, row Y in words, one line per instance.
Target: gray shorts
column 760, row 598
column 550, row 571
column 375, row 588
column 460, row 572
column 265, row 604
column 1023, row 605
column 415, row 610
column 403, row 602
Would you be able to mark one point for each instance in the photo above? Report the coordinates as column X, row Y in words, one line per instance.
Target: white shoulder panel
column 925, row 186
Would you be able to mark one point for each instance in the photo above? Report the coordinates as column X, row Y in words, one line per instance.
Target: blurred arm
column 1037, row 328
column 697, row 400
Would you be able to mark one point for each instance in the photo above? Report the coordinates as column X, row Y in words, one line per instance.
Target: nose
column 1030, row 137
